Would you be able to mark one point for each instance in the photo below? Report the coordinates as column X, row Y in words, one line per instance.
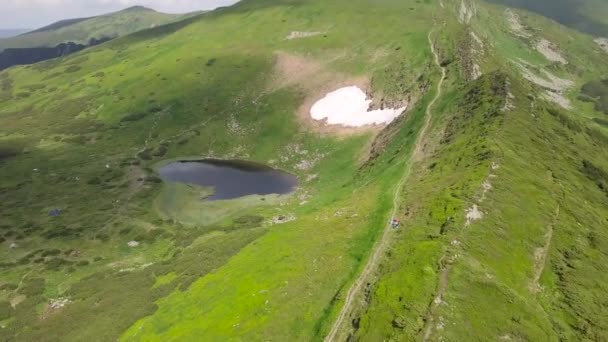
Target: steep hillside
column 505, row 218
column 498, row 171
column 82, row 30
column 6, row 33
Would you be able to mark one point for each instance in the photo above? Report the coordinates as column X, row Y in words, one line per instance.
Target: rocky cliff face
column 25, row 56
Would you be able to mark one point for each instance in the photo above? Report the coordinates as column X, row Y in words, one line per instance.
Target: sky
column 37, row 13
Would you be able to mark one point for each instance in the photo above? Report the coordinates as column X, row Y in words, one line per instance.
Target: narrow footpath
column 381, row 246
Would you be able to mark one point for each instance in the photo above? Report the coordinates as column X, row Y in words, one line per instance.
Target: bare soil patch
column 314, row 80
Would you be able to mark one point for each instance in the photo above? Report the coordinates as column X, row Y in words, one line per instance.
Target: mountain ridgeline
column 71, row 35
column 82, row 30
column 7, row 33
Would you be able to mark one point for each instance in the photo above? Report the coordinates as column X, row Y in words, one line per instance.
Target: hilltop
column 497, row 171
column 82, row 30
column 7, row 33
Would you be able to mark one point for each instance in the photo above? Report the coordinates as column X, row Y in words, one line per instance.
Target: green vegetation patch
column 597, row 92
column 596, row 174
column 6, row 310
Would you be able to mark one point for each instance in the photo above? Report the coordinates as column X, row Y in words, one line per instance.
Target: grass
column 94, row 126
column 165, row 102
column 84, row 29
column 491, row 263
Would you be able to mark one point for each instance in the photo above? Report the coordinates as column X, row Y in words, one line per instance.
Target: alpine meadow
column 311, row 170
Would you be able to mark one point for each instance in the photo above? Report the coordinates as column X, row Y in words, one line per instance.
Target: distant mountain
column 82, row 30
column 7, row 33
column 24, row 56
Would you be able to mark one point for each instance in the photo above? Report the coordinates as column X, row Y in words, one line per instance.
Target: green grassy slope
column 82, row 30
column 85, row 134
column 532, row 268
column 207, row 87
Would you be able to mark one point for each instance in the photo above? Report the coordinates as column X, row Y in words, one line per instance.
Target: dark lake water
column 566, row 12
column 230, row 178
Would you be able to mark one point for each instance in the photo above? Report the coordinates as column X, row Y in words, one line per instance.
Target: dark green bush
column 596, row 91
column 56, row 264
column 50, row 252
column 72, row 68
column 601, row 122
column 596, row 174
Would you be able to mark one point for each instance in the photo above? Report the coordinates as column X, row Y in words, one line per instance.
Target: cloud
column 37, row 13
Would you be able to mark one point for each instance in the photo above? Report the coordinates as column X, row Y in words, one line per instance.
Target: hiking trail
column 540, row 255
column 386, row 235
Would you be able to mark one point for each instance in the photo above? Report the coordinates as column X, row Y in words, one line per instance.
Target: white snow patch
column 300, row 34
column 348, row 107
column 547, row 49
column 602, row 42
